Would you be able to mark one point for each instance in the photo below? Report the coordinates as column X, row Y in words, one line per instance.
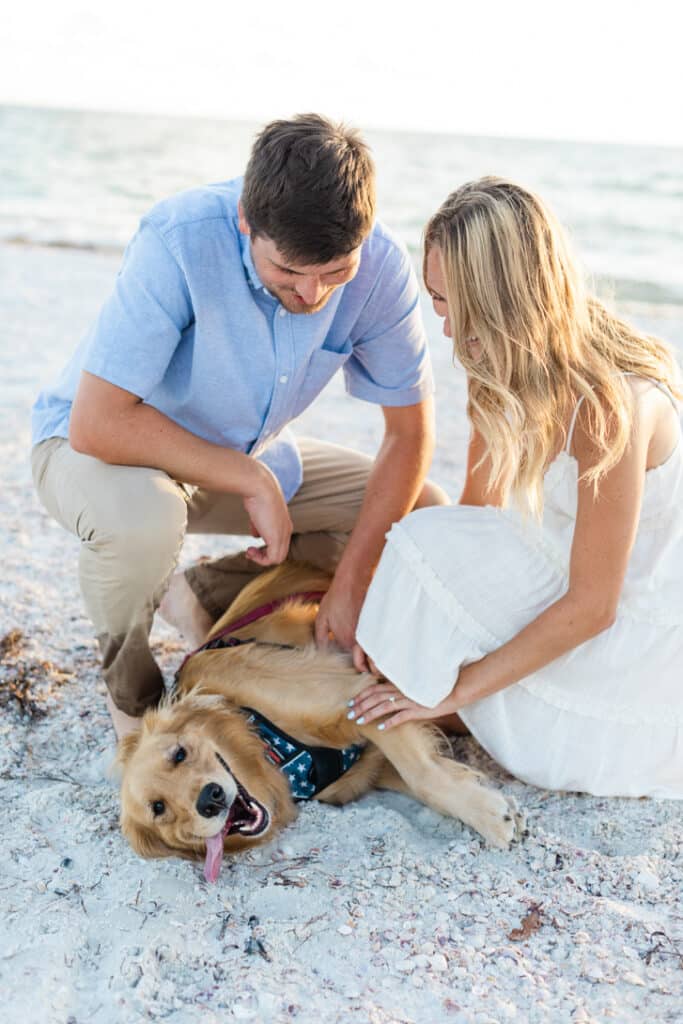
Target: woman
column 546, row 610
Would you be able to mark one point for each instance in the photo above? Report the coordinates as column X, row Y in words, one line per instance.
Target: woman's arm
column 476, row 490
column 603, row 538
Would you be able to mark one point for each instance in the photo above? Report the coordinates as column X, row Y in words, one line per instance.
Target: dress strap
column 667, row 391
column 628, row 373
column 664, row 388
column 570, row 432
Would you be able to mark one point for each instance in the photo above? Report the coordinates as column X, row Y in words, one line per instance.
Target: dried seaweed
column 26, row 682
column 10, row 644
column 662, row 946
column 531, row 922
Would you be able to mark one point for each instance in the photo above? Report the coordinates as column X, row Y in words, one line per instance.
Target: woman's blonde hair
column 511, row 281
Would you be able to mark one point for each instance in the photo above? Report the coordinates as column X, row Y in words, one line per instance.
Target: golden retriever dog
column 195, row 782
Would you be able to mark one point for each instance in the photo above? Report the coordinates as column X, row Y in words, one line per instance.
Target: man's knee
column 139, row 534
column 431, row 494
column 321, row 548
column 126, row 561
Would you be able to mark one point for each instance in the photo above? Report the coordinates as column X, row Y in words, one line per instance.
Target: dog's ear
column 206, row 701
column 198, row 700
column 130, row 743
column 126, row 748
column 144, row 840
column 178, row 713
column 174, row 713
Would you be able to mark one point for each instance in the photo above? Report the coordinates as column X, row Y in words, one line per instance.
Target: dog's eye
column 179, row 755
column 158, row 807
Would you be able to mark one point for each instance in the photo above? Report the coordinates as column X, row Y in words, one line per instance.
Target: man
column 234, row 306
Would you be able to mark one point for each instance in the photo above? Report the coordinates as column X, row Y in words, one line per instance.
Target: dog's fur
column 305, row 692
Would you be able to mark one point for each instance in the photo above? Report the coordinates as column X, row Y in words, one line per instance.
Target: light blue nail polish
column 380, row 727
column 350, row 703
column 361, row 720
column 351, row 714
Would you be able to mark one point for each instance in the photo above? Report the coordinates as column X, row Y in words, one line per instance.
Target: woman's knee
column 430, row 495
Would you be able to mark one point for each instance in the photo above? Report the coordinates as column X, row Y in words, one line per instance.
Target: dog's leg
column 389, row 778
column 361, row 777
column 373, row 771
column 443, row 784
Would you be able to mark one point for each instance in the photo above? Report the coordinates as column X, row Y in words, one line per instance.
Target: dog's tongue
column 214, row 857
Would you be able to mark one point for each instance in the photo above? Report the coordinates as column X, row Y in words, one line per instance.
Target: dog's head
column 195, row 783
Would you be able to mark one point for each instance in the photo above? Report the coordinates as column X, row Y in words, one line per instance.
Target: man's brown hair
column 309, row 186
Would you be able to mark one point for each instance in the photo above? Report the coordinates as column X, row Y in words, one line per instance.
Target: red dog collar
column 218, row 639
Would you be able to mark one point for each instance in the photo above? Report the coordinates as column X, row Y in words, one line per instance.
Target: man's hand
column 338, row 613
column 269, row 518
column 394, row 485
column 116, row 426
column 362, row 662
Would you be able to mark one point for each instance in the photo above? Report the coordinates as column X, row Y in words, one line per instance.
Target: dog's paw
column 497, row 818
column 519, row 817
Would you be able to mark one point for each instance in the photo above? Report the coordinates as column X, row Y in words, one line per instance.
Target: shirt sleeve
column 390, row 363
column 140, row 325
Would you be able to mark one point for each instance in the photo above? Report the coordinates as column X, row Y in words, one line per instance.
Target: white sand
column 379, row 912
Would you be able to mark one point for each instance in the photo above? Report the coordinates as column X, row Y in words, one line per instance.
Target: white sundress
column 457, row 582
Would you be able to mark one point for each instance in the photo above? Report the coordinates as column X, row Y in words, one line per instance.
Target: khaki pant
column 131, row 522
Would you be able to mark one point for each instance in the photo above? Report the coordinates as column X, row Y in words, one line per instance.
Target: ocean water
column 83, row 179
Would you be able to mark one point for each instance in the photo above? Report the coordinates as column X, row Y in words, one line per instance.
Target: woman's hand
column 382, row 699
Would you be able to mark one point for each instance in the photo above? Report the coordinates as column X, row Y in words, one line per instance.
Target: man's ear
column 244, row 226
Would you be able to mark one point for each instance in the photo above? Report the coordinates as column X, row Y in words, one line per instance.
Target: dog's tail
column 282, row 581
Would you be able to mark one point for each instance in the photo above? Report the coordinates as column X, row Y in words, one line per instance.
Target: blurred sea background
column 83, row 180
column 73, row 186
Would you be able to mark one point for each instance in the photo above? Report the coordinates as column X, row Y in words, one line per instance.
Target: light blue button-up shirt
column 191, row 330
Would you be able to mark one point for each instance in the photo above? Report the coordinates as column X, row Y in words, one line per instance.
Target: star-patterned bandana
column 308, row 769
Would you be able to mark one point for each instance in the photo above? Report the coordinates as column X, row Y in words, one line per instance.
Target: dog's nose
column 211, row 801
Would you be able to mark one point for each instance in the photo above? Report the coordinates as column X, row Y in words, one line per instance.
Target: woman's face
column 436, row 286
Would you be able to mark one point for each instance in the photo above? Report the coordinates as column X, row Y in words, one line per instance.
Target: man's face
column 300, row 288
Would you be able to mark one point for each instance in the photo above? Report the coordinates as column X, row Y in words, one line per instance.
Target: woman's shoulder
column 655, row 421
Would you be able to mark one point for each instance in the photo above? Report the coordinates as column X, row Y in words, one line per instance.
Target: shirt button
column 283, row 312
column 284, row 378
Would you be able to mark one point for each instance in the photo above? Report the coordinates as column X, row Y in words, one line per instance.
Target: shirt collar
column 253, row 278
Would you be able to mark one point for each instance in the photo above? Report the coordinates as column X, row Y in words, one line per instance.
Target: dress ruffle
column 424, row 617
